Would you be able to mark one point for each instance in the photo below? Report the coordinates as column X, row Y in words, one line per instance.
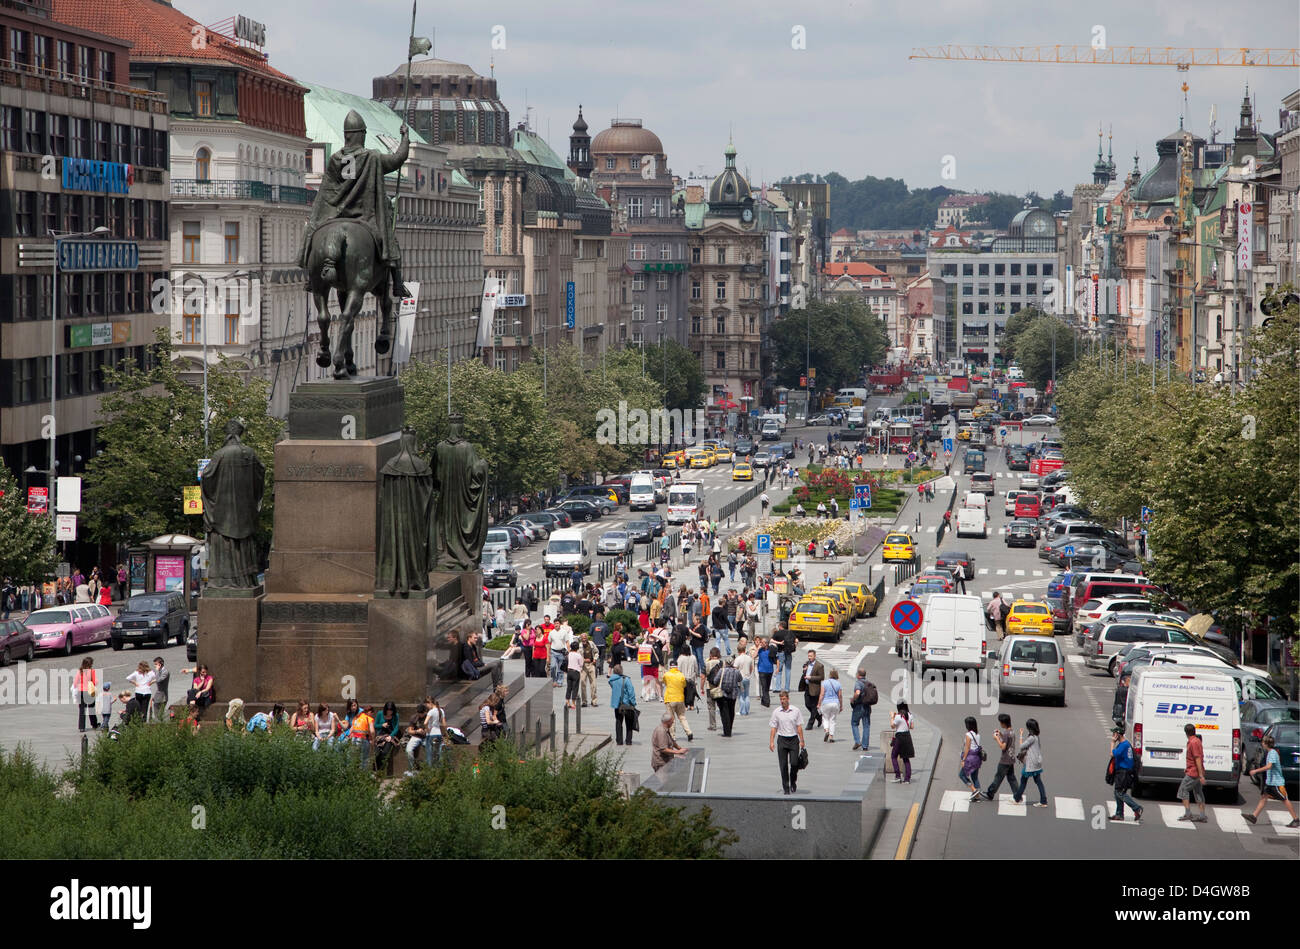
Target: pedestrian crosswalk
column 1228, row 820
column 985, row 571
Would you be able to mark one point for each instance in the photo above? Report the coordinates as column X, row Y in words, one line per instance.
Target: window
column 1000, row 288
column 203, row 164
column 63, row 52
column 122, row 143
column 232, row 322
column 1047, row 270
column 498, row 195
column 948, row 270
column 695, row 255
column 656, row 207
column 697, row 291
column 696, row 325
column 661, row 281
column 496, row 241
column 106, row 64
column 635, row 207
column 967, row 309
column 479, row 184
column 984, row 270
column 41, row 52
column 50, row 213
column 190, row 242
column 720, row 325
column 1031, row 289
column 232, row 242
column 720, row 359
column 722, row 255
column 1015, row 289
column 638, row 311
column 1031, row 270
column 610, row 164
column 636, row 252
column 83, row 62
column 18, row 47
column 11, row 127
column 447, row 124
column 490, row 128
column 203, row 99
column 25, row 213
column 983, row 309
column 157, row 220
column 471, row 128
column 661, row 312
column 1015, row 270
column 499, row 357
column 33, row 131
column 999, row 309
column 59, row 135
column 968, row 270
column 634, row 164
column 999, row 270
column 968, row 289
column 638, row 282
column 720, row 290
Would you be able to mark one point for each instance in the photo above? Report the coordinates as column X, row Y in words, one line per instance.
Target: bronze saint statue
column 232, row 487
column 405, row 508
column 460, row 526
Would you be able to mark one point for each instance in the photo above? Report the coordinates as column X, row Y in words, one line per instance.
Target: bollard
column 566, row 726
column 537, row 737
column 578, row 719
column 552, row 732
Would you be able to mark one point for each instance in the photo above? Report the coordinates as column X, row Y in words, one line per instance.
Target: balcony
column 241, row 190
column 34, row 79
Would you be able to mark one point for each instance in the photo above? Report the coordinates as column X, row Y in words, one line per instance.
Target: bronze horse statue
column 344, row 258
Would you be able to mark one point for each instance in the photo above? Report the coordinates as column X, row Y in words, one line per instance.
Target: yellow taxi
column 816, row 615
column 700, row 459
column 843, row 601
column 964, row 435
column 1029, row 617
column 673, row 460
column 980, row 411
column 898, row 547
column 862, row 596
column 742, row 472
column 722, row 453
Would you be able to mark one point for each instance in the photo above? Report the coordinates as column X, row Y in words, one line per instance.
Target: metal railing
column 241, row 190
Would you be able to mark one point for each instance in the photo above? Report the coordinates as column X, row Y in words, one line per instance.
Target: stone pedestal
column 321, row 632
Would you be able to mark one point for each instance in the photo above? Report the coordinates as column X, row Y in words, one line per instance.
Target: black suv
column 151, row 618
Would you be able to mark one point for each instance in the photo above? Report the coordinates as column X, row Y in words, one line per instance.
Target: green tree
column 685, row 388
column 26, row 540
column 504, row 415
column 152, row 437
column 1034, row 345
column 838, row 338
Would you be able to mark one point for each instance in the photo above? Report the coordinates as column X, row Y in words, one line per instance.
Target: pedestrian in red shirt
column 1193, row 783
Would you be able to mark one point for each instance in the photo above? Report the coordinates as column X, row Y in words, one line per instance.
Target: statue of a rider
column 353, row 188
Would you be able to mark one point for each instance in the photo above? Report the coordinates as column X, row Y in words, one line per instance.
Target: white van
column 971, row 522
column 1164, row 699
column 976, row 500
column 952, row 633
column 641, row 493
column 565, row 549
column 771, row 430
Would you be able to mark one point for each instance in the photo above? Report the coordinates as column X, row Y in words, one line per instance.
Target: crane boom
column 1181, row 57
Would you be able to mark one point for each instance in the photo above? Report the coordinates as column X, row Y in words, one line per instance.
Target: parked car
column 497, row 569
column 559, row 519
column 819, row 420
column 536, row 528
column 1019, row 534
column 641, row 531
column 656, row 521
column 65, row 628
column 151, row 619
column 517, row 533
column 1032, row 666
column 581, row 510
column 192, row 645
column 1040, row 420
column 17, row 641
column 614, row 542
column 502, row 537
column 1058, row 477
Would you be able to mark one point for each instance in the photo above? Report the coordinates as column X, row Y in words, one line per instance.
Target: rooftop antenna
column 1214, row 124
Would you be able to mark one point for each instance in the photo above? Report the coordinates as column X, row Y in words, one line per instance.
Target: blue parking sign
column 763, row 544
column 947, row 444
column 1146, row 515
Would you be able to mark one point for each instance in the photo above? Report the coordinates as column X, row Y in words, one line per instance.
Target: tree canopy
column 1028, row 341
column 838, row 338
column 26, row 540
column 1220, row 471
column 152, row 437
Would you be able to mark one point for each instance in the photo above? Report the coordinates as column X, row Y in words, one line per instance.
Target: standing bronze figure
column 232, row 487
column 460, row 527
column 405, row 508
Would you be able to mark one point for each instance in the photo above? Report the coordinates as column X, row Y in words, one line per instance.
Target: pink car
column 64, row 628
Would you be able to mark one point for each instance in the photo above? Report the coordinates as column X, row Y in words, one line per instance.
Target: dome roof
column 435, row 67
column 627, row 135
column 581, row 124
column 730, row 187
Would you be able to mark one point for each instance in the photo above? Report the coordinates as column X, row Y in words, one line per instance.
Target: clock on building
column 1039, row 226
column 747, row 215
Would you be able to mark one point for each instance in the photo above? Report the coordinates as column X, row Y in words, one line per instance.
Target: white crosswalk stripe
column 1230, row 820
column 1227, row 820
column 1019, row 573
column 1076, row 659
column 1039, row 573
column 1007, row 807
column 1170, row 814
column 956, row 801
column 1280, row 820
column 1002, row 573
column 1069, row 808
column 983, row 571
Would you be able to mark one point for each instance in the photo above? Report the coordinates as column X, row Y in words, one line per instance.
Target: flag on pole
column 419, row 46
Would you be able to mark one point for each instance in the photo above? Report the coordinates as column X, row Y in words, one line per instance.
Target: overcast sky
column 851, row 101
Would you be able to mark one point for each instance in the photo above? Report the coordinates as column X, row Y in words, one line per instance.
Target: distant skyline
column 851, row 101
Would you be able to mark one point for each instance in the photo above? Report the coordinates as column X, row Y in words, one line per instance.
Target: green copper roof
column 325, row 109
column 694, row 216
column 535, row 151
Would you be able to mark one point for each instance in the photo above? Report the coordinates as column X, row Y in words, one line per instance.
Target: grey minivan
column 1031, row 665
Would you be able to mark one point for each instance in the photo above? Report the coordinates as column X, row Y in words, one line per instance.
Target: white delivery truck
column 1162, row 700
column 952, row 633
column 565, row 549
column 685, row 501
column 971, row 522
column 976, row 500
column 641, row 493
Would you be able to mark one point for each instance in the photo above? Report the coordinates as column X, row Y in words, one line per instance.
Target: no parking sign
column 906, row 616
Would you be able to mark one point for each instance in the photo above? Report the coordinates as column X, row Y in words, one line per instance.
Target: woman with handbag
column 622, row 697
column 901, row 745
column 574, row 676
column 971, row 756
column 1031, row 760
column 87, row 688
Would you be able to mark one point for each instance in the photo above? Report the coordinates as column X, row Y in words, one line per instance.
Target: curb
column 917, row 810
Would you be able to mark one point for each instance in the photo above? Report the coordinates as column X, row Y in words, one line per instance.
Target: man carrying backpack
column 865, row 695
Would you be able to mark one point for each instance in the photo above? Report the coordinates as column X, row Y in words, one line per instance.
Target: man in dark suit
column 811, row 684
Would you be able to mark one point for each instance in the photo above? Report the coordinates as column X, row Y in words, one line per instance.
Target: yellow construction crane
column 1181, row 57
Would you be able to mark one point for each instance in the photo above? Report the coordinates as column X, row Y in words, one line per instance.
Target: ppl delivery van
column 952, row 633
column 1162, row 700
column 641, row 493
column 565, row 549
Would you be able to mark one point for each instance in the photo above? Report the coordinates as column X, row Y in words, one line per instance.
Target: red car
column 1028, row 506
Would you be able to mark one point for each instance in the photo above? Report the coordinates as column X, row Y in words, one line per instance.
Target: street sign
column 763, row 544
column 192, row 499
column 569, row 304
column 67, row 500
column 203, row 463
column 1068, row 551
column 906, row 616
column 1003, row 431
column 1146, row 515
column 947, row 446
column 65, row 527
column 780, row 551
column 862, row 492
column 38, row 500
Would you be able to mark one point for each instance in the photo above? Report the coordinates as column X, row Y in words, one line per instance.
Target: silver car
column 1031, row 665
column 614, row 542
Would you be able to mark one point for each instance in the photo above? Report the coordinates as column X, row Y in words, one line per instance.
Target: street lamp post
column 54, row 343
